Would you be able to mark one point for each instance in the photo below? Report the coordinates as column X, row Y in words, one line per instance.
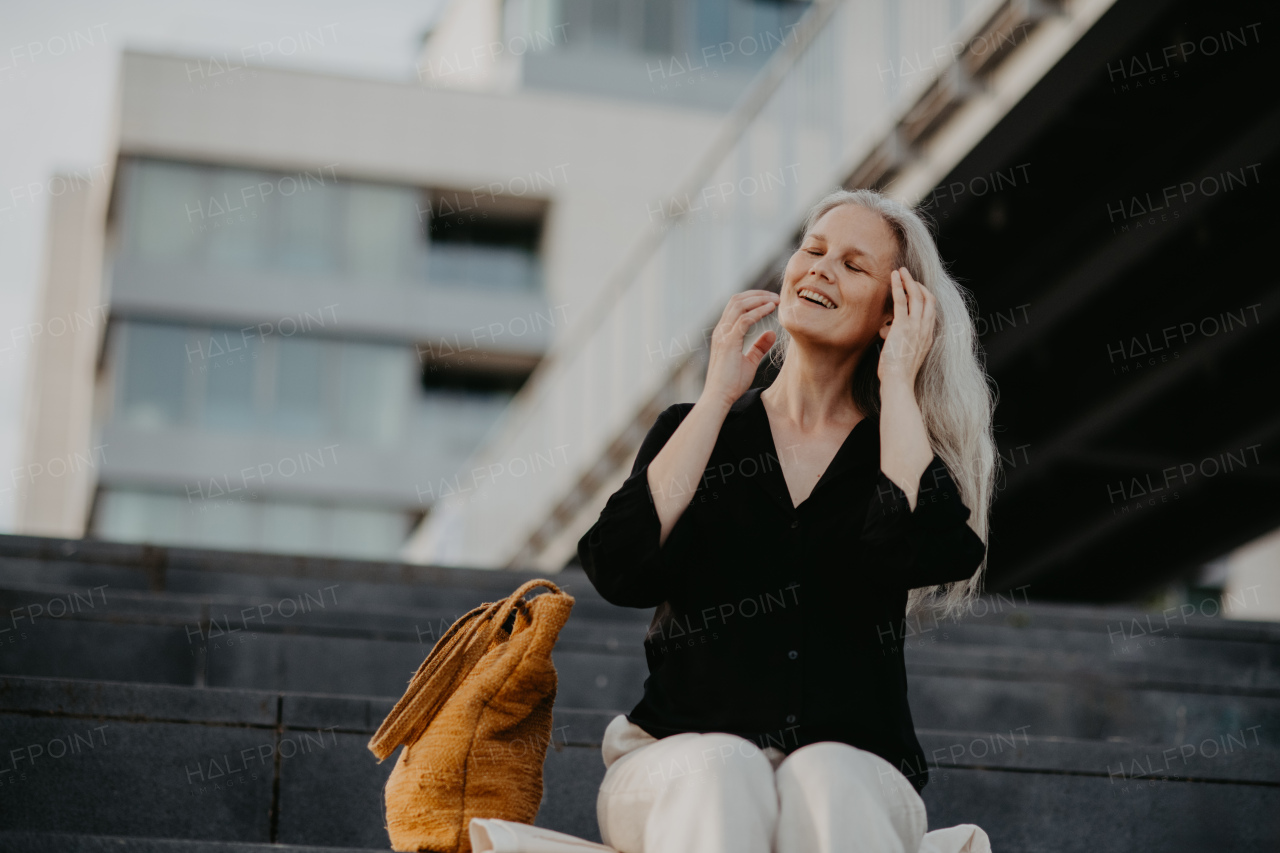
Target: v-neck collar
column 853, row 453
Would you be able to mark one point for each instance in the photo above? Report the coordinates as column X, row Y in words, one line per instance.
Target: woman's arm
column 630, row 553
column 905, row 451
column 926, row 545
column 916, row 525
column 675, row 471
column 623, row 552
column 620, row 553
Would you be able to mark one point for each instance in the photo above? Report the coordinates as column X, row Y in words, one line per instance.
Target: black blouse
column 778, row 623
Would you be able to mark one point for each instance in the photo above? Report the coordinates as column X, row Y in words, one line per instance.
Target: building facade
column 317, row 294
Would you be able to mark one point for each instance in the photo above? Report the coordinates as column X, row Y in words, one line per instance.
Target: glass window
column 230, row 368
column 300, row 386
column 659, row 24
column 293, row 527
column 449, row 264
column 369, row 235
column 134, row 516
column 381, row 231
column 306, row 212
column 765, row 23
column 376, row 382
column 237, row 230
column 229, row 522
column 458, row 421
column 167, row 208
column 478, row 265
column 712, row 22
column 577, row 15
column 152, row 377
column 605, row 24
column 367, row 532
column 232, row 380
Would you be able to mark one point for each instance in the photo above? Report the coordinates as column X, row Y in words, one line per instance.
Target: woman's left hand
column 911, row 333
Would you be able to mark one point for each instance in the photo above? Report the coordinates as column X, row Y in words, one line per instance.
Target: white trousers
column 719, row 793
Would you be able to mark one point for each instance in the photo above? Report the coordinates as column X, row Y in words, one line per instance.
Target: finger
column 899, row 297
column 735, row 309
column 744, row 322
column 762, row 345
column 915, row 302
column 926, row 296
column 929, row 318
column 740, row 303
column 898, row 328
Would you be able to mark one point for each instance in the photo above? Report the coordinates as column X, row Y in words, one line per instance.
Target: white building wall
column 61, row 460
column 600, row 162
column 466, row 50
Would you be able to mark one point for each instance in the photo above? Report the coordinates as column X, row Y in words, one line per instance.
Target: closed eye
column 847, row 264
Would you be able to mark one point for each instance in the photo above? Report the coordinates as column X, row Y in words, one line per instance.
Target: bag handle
column 449, row 662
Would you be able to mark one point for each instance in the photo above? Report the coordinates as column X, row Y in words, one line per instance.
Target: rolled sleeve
column 930, row 545
column 621, row 553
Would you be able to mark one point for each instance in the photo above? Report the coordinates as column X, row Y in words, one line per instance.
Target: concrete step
column 162, row 690
column 1246, row 657
column 379, row 585
column 320, row 611
column 332, row 609
column 463, row 590
column 153, row 564
column 65, row 842
column 175, row 642
column 1083, row 708
column 240, row 766
column 171, row 639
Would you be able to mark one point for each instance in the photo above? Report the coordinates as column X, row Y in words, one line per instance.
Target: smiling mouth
column 815, row 297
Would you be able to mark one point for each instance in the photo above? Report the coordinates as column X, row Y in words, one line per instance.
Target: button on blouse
column 780, row 623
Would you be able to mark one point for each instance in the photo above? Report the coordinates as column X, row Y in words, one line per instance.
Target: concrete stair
column 209, row 701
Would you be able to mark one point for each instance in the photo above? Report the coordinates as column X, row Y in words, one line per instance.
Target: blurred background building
column 317, row 294
column 434, row 318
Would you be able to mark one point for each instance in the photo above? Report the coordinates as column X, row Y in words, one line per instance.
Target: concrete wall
column 61, row 459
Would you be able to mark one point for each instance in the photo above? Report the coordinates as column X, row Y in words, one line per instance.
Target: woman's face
column 842, row 267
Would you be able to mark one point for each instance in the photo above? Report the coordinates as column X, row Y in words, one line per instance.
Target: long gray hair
column 951, row 388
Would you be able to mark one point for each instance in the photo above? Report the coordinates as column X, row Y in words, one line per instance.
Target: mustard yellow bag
column 475, row 722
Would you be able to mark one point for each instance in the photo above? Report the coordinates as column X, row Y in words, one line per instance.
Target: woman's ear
column 884, row 330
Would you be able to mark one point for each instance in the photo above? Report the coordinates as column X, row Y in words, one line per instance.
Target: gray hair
column 952, row 389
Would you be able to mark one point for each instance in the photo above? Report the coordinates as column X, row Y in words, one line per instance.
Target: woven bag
column 476, row 723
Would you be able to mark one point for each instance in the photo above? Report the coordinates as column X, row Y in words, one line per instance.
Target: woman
column 783, row 535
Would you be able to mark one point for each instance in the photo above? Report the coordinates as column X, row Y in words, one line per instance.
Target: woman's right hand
column 729, row 372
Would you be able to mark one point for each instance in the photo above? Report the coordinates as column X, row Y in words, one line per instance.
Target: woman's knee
column 824, row 757
column 728, row 760
column 825, row 786
column 831, row 764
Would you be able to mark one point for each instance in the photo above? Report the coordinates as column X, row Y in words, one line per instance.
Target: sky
column 56, row 114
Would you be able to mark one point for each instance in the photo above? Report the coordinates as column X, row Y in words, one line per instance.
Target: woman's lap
column 717, row 791
column 689, row 791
